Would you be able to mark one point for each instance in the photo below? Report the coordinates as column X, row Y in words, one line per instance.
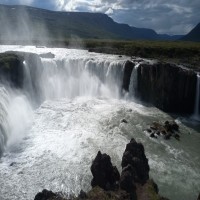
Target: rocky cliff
column 167, row 86
column 11, row 69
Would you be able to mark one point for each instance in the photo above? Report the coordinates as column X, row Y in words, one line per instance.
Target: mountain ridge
column 33, row 23
column 193, row 35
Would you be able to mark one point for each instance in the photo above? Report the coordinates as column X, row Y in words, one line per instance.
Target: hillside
column 193, row 35
column 28, row 23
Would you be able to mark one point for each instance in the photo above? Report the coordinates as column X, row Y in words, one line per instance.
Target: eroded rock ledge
column 108, row 184
column 170, row 87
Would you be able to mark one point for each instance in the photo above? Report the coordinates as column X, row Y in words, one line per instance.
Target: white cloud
column 109, row 11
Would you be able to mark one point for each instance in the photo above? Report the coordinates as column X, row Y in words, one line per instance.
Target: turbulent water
column 70, row 107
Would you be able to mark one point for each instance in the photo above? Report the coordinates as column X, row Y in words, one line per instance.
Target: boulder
column 105, row 175
column 45, row 195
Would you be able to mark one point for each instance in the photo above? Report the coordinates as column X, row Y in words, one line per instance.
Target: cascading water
column 133, row 81
column 197, row 100
column 77, row 110
column 4, row 99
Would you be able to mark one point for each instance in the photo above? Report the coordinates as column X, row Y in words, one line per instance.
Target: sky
column 170, row 17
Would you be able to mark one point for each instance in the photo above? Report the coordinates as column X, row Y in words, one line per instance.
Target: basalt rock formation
column 105, row 175
column 167, row 86
column 11, row 69
column 108, row 184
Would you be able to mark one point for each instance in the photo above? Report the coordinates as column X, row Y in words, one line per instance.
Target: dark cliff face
column 168, row 87
column 11, row 69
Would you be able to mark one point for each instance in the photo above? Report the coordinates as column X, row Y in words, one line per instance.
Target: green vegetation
column 187, row 53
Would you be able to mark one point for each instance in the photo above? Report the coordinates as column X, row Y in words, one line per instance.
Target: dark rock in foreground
column 44, row 195
column 134, row 182
column 135, row 162
column 105, row 175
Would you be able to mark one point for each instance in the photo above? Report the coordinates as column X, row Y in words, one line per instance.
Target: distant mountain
column 29, row 23
column 193, row 35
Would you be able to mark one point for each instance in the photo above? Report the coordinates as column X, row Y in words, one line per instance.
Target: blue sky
column 171, row 17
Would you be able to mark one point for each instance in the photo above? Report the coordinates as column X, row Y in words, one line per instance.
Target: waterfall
column 15, row 116
column 133, row 81
column 4, row 100
column 197, row 100
column 51, row 79
column 72, row 77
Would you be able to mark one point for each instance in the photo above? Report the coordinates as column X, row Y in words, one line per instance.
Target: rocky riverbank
column 108, row 184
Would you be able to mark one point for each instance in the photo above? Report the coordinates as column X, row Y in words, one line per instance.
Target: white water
column 79, row 113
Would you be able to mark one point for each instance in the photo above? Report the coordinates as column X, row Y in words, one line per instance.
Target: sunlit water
column 53, row 132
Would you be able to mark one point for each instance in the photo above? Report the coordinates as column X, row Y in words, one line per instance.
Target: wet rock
column 198, row 197
column 157, row 133
column 175, row 126
column 153, row 135
column 167, row 136
column 82, row 195
column 127, row 179
column 12, row 164
column 105, row 175
column 167, row 129
column 47, row 55
column 45, row 195
column 149, row 130
column 124, row 121
column 134, row 156
column 177, row 136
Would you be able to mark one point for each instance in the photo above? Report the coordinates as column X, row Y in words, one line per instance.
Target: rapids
column 70, row 107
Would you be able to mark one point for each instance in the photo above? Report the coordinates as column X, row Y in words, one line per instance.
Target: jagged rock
column 168, row 129
column 124, row 121
column 45, row 195
column 153, row 135
column 82, row 195
column 149, row 130
column 134, row 155
column 168, row 87
column 127, row 179
column 198, row 197
column 167, row 136
column 105, row 175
